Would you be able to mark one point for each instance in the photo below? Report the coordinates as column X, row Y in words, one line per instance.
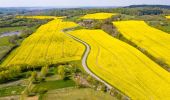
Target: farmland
column 48, row 45
column 168, row 17
column 39, row 17
column 76, row 94
column 85, row 53
column 124, row 67
column 14, row 30
column 152, row 40
column 98, row 16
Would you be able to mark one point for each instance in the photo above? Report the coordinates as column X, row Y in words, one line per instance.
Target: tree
column 78, row 81
column 14, row 71
column 26, row 32
column 2, row 76
column 33, row 76
column 6, row 75
column 61, row 71
column 112, row 90
column 44, row 71
column 103, row 88
column 89, row 79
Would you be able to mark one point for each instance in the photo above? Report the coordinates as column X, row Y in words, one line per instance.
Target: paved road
column 84, row 62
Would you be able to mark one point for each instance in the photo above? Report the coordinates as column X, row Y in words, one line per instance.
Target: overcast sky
column 75, row 3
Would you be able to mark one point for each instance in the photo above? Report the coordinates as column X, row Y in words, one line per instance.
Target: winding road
column 84, row 62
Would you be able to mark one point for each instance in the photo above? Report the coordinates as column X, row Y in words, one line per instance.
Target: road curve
column 84, row 62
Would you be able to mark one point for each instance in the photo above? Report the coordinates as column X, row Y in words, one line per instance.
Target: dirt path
column 12, row 83
column 15, row 97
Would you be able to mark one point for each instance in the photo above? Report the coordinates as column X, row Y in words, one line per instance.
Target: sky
column 77, row 3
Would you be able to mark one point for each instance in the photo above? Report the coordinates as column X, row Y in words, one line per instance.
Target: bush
column 31, row 94
column 40, row 90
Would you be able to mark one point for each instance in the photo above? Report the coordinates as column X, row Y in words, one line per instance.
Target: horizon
column 78, row 3
column 80, row 6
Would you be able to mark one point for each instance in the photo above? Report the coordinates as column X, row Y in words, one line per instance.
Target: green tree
column 44, row 71
column 112, row 90
column 61, row 71
column 33, row 76
column 89, row 79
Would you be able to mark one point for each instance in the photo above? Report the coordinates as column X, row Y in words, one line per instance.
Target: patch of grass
column 4, row 41
column 50, row 85
column 9, row 29
column 11, row 90
column 5, row 46
column 161, row 25
column 4, row 50
column 76, row 94
column 164, row 28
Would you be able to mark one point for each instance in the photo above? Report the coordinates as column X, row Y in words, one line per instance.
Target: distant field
column 39, row 17
column 48, row 45
column 98, row 16
column 124, row 67
column 77, row 94
column 154, row 41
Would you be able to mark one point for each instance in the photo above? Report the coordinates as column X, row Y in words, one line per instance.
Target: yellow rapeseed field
column 168, row 17
column 98, row 16
column 156, row 42
column 124, row 67
column 48, row 45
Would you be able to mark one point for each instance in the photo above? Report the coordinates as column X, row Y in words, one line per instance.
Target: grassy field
column 158, row 25
column 98, row 16
column 11, row 90
column 48, row 45
column 4, row 50
column 9, row 29
column 51, row 85
column 165, row 28
column 77, row 94
column 5, row 45
column 4, row 41
column 124, row 67
column 152, row 40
